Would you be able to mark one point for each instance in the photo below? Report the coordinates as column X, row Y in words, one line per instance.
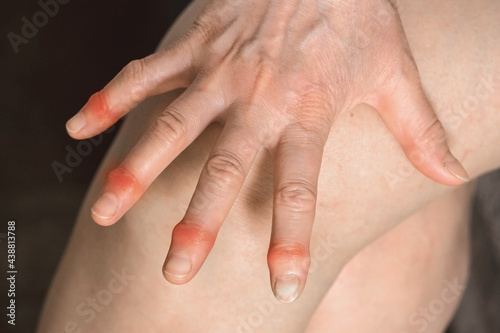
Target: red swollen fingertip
column 279, row 254
column 191, row 244
column 121, row 185
column 188, row 234
column 98, row 107
column 289, row 265
column 120, row 180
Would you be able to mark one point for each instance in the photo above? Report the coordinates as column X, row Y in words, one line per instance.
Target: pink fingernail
column 105, row 207
column 75, row 124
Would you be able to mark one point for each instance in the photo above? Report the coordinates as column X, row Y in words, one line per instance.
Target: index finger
column 158, row 73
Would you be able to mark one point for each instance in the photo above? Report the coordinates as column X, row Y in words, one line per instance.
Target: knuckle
column 430, row 136
column 430, row 139
column 226, row 166
column 434, row 132
column 280, row 249
column 193, row 232
column 265, row 74
column 170, row 128
column 123, row 179
column 306, row 133
column 204, row 29
column 258, row 67
column 297, row 196
column 135, row 72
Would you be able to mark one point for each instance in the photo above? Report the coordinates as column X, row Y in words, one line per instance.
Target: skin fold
column 366, row 188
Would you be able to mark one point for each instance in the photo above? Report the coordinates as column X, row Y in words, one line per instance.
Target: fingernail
column 178, row 267
column 75, row 124
column 105, row 207
column 455, row 168
column 286, row 288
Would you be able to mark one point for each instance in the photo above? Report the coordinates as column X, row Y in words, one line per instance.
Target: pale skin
column 355, row 206
column 276, row 74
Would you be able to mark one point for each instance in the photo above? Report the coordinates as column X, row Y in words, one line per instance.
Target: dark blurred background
column 72, row 55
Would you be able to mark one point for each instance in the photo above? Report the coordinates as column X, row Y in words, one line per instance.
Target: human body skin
column 356, row 205
column 276, row 74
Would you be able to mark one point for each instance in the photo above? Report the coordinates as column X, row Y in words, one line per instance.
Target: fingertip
column 287, row 287
column 445, row 170
column 105, row 222
column 456, row 169
column 289, row 269
column 75, row 125
column 100, row 221
column 177, row 269
column 95, row 117
column 104, row 209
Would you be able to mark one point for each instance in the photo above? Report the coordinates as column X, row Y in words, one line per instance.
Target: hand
column 275, row 74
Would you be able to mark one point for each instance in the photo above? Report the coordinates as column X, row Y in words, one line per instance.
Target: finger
column 179, row 125
column 158, row 73
column 219, row 184
column 297, row 164
column 410, row 117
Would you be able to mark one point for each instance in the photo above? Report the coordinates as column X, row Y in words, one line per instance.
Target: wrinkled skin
column 276, row 75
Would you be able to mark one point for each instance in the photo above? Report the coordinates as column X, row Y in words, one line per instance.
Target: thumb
column 409, row 116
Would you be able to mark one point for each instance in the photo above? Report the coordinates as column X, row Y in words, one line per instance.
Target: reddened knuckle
column 287, row 249
column 123, row 179
column 193, row 232
column 297, row 195
column 226, row 166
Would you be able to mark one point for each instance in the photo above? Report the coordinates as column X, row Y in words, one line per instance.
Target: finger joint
column 226, row 166
column 170, row 128
column 285, row 250
column 136, row 73
column 297, row 196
